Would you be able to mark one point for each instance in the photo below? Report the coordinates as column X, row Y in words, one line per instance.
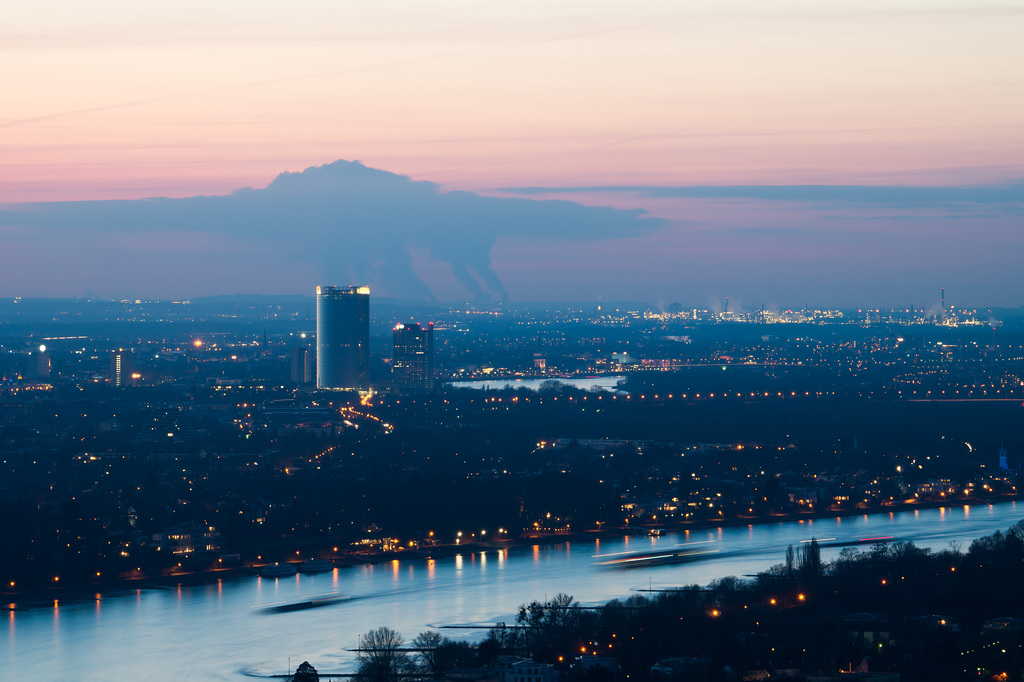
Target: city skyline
column 216, row 483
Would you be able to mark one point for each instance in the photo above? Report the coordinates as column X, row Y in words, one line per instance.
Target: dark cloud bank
column 863, row 195
column 346, row 223
column 342, row 222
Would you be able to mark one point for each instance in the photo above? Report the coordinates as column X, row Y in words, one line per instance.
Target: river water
column 227, row 630
column 606, row 382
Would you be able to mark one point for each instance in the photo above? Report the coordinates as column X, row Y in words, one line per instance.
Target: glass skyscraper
column 343, row 338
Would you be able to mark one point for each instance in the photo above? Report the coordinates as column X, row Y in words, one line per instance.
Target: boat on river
column 316, row 566
column 659, row 558
column 313, row 603
column 277, row 571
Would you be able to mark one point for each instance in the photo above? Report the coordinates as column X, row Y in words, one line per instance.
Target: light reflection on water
column 219, row 630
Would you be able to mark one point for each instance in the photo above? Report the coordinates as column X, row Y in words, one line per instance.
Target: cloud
column 874, row 195
column 341, row 222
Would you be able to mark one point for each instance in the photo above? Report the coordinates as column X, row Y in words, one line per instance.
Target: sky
column 778, row 152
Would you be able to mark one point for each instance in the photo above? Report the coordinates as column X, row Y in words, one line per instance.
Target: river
column 225, row 630
column 605, row 382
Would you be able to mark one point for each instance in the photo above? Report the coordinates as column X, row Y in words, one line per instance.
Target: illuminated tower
column 343, row 338
column 120, row 368
column 412, row 362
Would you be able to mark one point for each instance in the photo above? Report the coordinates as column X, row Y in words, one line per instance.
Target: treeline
column 894, row 607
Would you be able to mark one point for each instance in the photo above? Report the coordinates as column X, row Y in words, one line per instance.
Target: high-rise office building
column 302, row 365
column 120, row 368
column 38, row 364
column 343, row 338
column 412, row 362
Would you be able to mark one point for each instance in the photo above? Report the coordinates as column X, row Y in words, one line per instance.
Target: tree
column 810, row 566
column 306, row 673
column 550, row 386
column 380, row 657
column 550, row 626
column 427, row 645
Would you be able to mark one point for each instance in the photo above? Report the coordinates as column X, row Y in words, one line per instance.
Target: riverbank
column 837, row 513
column 29, row 599
column 683, row 526
column 231, row 628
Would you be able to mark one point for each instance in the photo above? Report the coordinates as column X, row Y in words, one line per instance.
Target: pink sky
column 118, row 99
